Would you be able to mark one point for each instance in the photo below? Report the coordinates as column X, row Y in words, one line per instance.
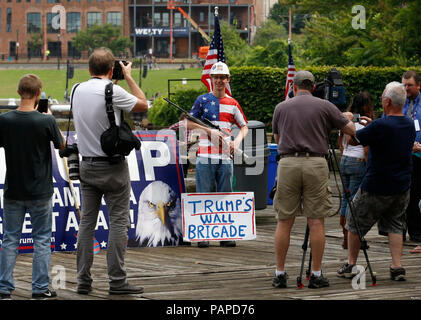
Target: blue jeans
column 13, row 218
column 352, row 172
column 210, row 175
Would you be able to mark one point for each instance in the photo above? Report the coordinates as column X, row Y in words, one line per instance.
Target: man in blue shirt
column 384, row 192
column 412, row 109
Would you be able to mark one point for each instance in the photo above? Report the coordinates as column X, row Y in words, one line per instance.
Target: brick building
column 22, row 24
column 150, row 22
column 147, row 22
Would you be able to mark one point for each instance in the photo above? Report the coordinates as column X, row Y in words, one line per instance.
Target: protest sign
column 218, row 216
column 156, row 186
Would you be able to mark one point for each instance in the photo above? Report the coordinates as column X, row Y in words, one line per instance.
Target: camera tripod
column 332, row 157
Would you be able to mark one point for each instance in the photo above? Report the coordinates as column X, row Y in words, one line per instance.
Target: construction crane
column 172, row 6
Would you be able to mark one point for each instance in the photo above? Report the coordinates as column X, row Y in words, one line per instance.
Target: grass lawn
column 54, row 81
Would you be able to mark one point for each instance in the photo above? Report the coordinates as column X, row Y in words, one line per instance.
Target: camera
column 332, row 89
column 71, row 152
column 117, row 71
column 356, row 118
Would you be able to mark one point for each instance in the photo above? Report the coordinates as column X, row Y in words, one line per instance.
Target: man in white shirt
column 101, row 175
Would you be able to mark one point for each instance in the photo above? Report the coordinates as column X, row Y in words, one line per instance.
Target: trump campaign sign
column 218, row 216
column 155, row 212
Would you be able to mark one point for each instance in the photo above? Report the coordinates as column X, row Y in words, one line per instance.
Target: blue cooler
column 272, row 168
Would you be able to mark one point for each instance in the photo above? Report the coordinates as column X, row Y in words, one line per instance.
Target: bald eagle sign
column 218, row 216
column 155, row 212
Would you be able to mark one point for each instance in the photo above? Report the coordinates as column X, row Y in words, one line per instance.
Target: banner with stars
column 157, row 184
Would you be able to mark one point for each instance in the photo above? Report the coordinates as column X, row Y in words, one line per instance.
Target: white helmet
column 220, row 68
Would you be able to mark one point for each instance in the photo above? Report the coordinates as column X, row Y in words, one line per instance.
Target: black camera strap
column 109, row 105
column 70, row 112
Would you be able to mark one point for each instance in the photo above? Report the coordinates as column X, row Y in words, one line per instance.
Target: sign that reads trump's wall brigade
column 218, row 216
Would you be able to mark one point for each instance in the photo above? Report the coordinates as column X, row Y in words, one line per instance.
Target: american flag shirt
column 223, row 112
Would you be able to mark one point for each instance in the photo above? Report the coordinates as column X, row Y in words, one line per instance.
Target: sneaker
column 126, row 289
column 397, row 274
column 5, row 296
column 203, row 244
column 280, row 281
column 227, row 243
column 318, row 282
column 346, row 271
column 84, row 289
column 49, row 294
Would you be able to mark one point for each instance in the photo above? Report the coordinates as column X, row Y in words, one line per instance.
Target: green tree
column 268, row 31
column 391, row 35
column 236, row 48
column 106, row 35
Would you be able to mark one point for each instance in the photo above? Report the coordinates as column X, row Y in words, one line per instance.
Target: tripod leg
column 304, row 246
column 308, row 272
column 351, row 212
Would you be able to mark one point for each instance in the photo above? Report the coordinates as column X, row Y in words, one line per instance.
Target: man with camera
column 412, row 109
column 301, row 126
column 101, row 175
column 384, row 192
column 26, row 136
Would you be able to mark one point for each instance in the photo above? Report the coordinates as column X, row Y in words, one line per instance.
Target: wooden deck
column 241, row 273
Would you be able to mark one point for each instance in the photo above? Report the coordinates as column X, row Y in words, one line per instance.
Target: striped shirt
column 223, row 112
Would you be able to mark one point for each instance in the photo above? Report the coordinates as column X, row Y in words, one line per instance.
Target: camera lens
column 73, row 163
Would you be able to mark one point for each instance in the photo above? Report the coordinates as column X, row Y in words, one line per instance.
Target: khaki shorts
column 302, row 188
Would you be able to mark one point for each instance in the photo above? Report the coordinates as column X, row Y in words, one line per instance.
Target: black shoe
column 318, row 282
column 397, row 274
column 280, row 281
column 126, row 289
column 203, row 244
column 49, row 294
column 346, row 271
column 227, row 243
column 86, row 289
column 5, row 296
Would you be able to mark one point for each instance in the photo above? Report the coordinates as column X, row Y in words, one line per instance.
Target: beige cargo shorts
column 302, row 188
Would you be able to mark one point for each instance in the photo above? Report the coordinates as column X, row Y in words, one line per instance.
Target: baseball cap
column 302, row 76
column 219, row 68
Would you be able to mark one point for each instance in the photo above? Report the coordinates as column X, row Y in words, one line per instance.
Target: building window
column 50, row 17
column 9, row 20
column 93, row 18
column 165, row 19
column 73, row 22
column 114, row 18
column 72, row 51
column 156, row 19
column 202, row 16
column 53, row 1
column 33, row 22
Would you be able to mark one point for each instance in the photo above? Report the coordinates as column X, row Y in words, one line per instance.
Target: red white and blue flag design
column 289, row 93
column 222, row 112
column 215, row 54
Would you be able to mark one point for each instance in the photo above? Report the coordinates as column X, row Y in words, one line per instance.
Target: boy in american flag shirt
column 214, row 167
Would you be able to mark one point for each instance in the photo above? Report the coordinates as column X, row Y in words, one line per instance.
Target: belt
column 103, row 159
column 303, row 154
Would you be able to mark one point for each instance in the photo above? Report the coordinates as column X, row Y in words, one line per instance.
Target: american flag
column 290, row 74
column 215, row 54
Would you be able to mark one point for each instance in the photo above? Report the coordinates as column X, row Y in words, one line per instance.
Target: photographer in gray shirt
column 101, row 175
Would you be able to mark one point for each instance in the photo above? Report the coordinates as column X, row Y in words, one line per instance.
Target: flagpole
column 290, row 32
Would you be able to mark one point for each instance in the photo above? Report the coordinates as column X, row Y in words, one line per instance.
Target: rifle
column 206, row 123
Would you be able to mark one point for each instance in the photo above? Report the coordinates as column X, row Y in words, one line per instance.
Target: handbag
column 117, row 140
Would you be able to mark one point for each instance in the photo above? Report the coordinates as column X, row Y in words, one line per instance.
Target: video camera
column 332, row 88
